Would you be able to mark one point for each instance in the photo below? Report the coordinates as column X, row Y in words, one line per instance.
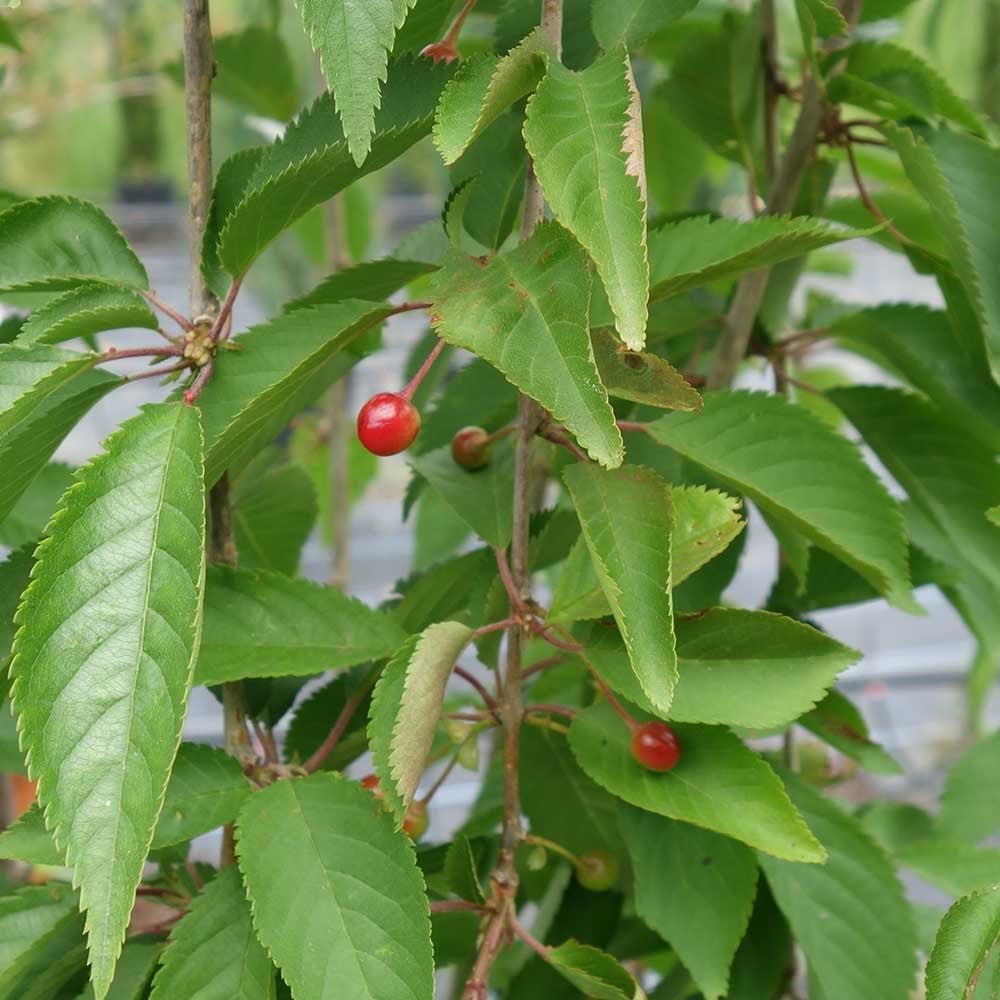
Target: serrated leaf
column 852, row 515
column 30, row 919
column 483, row 498
column 273, row 515
column 345, row 917
column 968, row 933
column 484, row 88
column 719, row 784
column 525, row 312
column 640, row 377
column 576, row 134
column 837, row 721
column 953, row 866
column 267, row 625
column 627, row 518
column 54, row 243
column 372, row 280
column 213, row 952
column 278, row 368
column 84, row 311
column 694, row 252
column 354, row 41
column 737, row 668
column 966, row 813
column 634, row 21
column 311, row 723
column 460, row 867
column 895, row 83
column 594, row 971
column 867, row 952
column 949, row 476
column 311, row 162
column 134, row 972
column 818, row 19
column 27, row 840
column 104, row 655
column 406, row 707
column 31, row 513
column 695, row 889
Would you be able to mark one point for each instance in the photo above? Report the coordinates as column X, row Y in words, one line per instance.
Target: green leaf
column 28, row 517
column 345, row 914
column 255, row 69
column 134, row 972
column 585, row 140
column 104, row 656
column 406, row 707
column 594, row 971
column 54, row 243
column 954, row 174
column 705, row 523
column 921, row 345
column 7, row 36
column 951, row 477
column 719, row 783
column 278, row 368
column 84, row 311
column 641, row 378
column 15, row 572
column 273, row 515
column 213, row 952
column 818, row 19
column 206, row 790
column 966, row 813
column 354, row 41
column 634, row 21
column 312, row 162
column 525, row 312
column 310, row 724
column 484, row 88
column 816, row 482
column 954, row 866
column 695, row 889
column 894, row 83
column 759, row 967
column 737, row 668
column 627, row 518
column 483, row 498
column 30, row 919
column 837, row 721
column 267, row 625
column 373, row 280
column 27, row 840
column 696, row 251
column 461, row 870
column 864, row 952
column 967, row 935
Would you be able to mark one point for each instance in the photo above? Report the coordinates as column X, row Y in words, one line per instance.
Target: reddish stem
column 353, row 703
column 516, row 604
column 182, row 321
column 529, row 939
column 456, row 26
column 554, row 709
column 613, row 701
column 488, row 699
column 537, row 668
column 156, row 372
column 570, row 647
column 411, row 387
column 557, row 437
column 201, row 380
column 633, row 425
column 155, row 351
column 455, row 905
column 226, row 309
column 494, row 627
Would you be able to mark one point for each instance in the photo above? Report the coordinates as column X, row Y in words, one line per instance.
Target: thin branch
column 554, row 709
column 201, row 380
column 513, row 595
column 443, row 776
column 772, row 85
column 494, row 627
column 529, row 939
column 540, row 665
column 488, row 700
column 157, row 303
column 633, row 425
column 226, row 311
column 456, row 905
column 867, row 200
column 154, row 351
column 353, row 703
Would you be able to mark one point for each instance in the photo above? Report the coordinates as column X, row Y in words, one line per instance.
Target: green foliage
column 114, row 607
column 595, row 971
column 85, row 310
column 967, row 814
column 635, row 20
column 967, row 934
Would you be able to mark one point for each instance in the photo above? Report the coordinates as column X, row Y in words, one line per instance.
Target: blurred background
column 91, row 106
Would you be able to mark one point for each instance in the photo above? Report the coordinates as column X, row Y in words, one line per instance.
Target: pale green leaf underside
column 85, row 311
column 719, row 784
column 345, row 916
column 816, row 481
column 594, row 971
column 406, row 707
column 575, row 132
column 627, row 518
column 694, row 252
column 354, row 39
column 968, row 933
column 213, row 952
column 484, row 89
column 735, row 667
column 525, row 312
column 267, row 625
column 864, row 952
column 693, row 887
column 53, row 243
column 104, row 656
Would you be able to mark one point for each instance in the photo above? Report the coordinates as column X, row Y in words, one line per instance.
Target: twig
column 540, row 665
column 494, row 627
column 155, row 351
column 157, row 372
column 488, row 700
column 569, row 713
column 633, row 425
column 351, row 705
column 456, row 905
column 157, row 303
column 772, row 85
column 443, row 776
column 201, row 380
column 226, row 311
column 513, row 595
column 557, row 437
column 529, row 939
column 866, row 198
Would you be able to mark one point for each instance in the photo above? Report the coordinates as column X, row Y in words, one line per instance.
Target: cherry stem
column 155, row 351
column 557, row 437
column 613, row 701
column 494, row 627
column 191, row 395
column 456, row 26
column 469, row 678
column 500, row 434
column 866, row 198
column 353, row 703
column 456, row 905
column 157, row 372
column 551, row 845
column 633, row 425
column 411, row 387
column 226, row 309
column 529, row 939
column 157, row 303
column 537, row 668
column 443, row 776
column 569, row 647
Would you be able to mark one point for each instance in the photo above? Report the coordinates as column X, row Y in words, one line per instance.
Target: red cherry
column 388, row 424
column 470, row 447
column 416, row 820
column 370, row 781
column 596, row 870
column 655, row 746
column 440, row 52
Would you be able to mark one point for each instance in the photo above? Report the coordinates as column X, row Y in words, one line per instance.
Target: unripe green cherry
column 596, row 870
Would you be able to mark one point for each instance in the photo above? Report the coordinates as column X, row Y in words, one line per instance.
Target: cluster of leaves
column 608, row 316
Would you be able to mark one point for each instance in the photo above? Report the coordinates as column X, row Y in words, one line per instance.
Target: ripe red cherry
column 655, row 746
column 370, row 781
column 470, row 447
column 416, row 820
column 387, row 424
column 440, row 52
column 596, row 870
